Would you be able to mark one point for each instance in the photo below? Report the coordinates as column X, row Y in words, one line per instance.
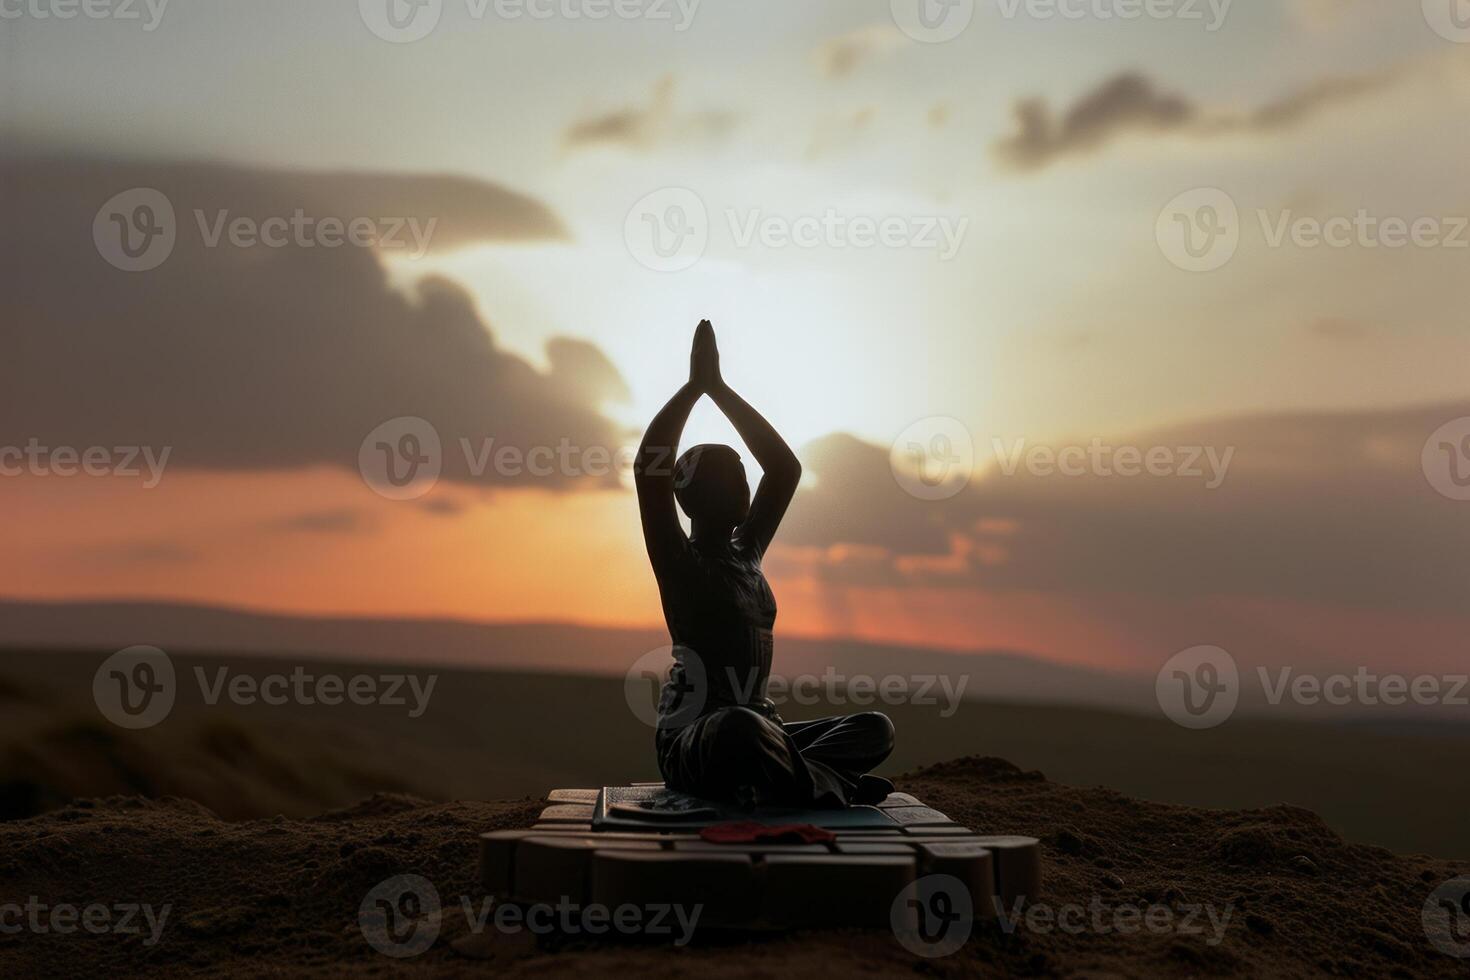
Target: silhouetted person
column 719, row 736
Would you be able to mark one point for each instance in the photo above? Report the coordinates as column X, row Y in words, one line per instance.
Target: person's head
column 710, row 484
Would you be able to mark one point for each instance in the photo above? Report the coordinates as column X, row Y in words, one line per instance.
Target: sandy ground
column 257, row 761
column 1269, row 892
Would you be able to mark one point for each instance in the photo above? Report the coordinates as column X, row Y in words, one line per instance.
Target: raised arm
column 653, row 467
column 781, row 469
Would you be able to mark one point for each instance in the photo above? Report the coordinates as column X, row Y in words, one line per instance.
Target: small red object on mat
column 750, row 832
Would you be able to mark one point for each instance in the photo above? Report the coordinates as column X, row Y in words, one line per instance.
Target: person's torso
column 721, row 613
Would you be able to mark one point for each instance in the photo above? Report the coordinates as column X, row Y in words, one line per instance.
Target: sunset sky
column 1054, row 148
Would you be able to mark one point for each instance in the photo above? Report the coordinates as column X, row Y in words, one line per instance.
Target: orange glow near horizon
column 318, row 543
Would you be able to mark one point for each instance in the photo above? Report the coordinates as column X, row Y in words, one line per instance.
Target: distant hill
column 494, row 734
column 564, row 648
column 551, row 647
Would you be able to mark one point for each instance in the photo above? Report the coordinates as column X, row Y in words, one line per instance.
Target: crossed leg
column 737, row 755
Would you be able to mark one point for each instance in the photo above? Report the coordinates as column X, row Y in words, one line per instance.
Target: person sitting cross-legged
column 719, row 736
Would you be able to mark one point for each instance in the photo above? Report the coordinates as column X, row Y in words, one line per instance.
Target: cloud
column 266, row 358
column 840, row 131
column 1319, row 16
column 341, row 520
column 1132, row 104
column 464, row 211
column 1329, row 507
column 643, row 128
column 1339, row 329
column 142, row 553
column 442, row 506
column 1126, row 103
column 1302, row 105
column 840, row 56
column 579, row 366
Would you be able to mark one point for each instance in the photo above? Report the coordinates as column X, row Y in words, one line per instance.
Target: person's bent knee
column 732, row 731
column 878, row 727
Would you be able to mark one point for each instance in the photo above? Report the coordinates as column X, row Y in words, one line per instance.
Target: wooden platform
column 640, row 845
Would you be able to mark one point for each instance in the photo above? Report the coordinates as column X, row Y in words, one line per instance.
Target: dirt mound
column 1213, row 893
column 377, row 805
column 237, row 770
